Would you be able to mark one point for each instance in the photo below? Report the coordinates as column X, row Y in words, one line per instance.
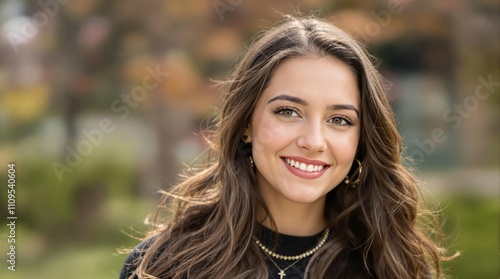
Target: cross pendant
column 282, row 274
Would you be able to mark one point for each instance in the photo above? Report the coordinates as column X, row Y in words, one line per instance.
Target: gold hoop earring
column 352, row 182
column 245, row 148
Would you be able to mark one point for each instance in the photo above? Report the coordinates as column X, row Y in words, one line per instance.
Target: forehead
column 321, row 79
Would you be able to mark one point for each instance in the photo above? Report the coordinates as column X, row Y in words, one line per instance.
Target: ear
column 248, row 133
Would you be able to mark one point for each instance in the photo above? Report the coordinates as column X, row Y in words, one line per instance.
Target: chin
column 304, row 197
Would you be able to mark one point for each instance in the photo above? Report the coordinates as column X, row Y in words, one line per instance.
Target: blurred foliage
column 471, row 226
column 66, row 76
column 98, row 258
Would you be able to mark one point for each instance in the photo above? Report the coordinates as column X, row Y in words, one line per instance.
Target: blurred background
column 102, row 103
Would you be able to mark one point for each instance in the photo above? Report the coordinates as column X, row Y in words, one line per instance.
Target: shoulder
column 134, row 258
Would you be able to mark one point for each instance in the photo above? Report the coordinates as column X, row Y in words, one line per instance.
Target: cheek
column 345, row 146
column 269, row 134
column 352, row 142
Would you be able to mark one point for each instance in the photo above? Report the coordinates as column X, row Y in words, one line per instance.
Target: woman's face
column 305, row 129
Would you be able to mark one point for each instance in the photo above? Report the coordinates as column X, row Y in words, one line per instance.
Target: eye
column 286, row 112
column 340, row 121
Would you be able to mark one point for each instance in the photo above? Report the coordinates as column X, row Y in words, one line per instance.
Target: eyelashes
column 341, row 121
column 291, row 112
column 286, row 111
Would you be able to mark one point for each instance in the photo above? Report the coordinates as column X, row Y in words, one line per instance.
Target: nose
column 312, row 137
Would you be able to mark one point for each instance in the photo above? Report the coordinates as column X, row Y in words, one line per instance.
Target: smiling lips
column 304, row 168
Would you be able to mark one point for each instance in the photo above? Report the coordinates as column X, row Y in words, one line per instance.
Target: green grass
column 98, row 257
column 79, row 262
column 472, row 225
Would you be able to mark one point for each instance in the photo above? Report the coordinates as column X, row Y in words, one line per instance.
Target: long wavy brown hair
column 377, row 228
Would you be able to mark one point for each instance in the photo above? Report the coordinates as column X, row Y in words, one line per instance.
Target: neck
column 295, row 219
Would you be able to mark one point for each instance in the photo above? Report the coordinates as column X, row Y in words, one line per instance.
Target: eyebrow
column 288, row 98
column 304, row 103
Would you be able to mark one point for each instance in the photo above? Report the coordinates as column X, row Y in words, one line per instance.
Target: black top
column 131, row 263
column 288, row 245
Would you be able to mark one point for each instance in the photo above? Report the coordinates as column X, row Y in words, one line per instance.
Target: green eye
column 340, row 121
column 286, row 112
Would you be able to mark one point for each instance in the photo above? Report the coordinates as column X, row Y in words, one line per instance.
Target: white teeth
column 304, row 167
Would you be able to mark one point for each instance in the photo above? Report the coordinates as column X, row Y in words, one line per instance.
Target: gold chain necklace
column 282, row 271
column 296, row 257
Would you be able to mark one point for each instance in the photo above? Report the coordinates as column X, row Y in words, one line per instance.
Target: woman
column 307, row 181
